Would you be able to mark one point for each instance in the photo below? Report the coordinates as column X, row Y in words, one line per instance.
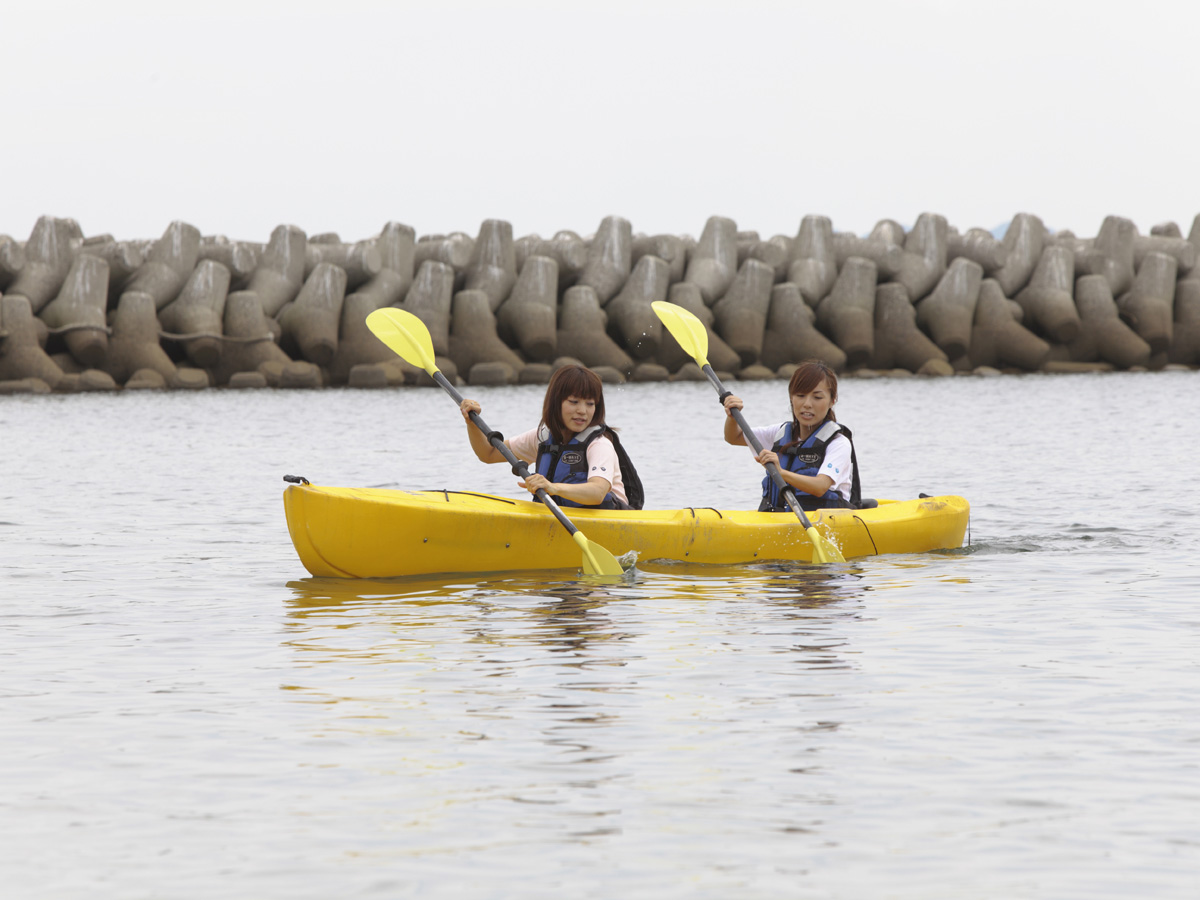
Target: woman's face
column 811, row 409
column 577, row 413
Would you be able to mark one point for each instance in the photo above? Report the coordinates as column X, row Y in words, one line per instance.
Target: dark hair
column 571, row 381
column 807, row 376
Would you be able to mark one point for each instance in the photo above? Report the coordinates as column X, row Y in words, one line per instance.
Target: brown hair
column 571, row 381
column 807, row 376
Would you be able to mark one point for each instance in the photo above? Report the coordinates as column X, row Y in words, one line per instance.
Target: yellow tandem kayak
column 378, row 533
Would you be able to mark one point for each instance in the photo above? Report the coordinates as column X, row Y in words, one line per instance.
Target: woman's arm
column 479, row 443
column 589, row 494
column 602, row 461
column 816, row 485
column 837, row 463
column 733, row 434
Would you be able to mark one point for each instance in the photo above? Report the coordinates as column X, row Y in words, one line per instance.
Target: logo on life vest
column 809, row 457
column 572, row 458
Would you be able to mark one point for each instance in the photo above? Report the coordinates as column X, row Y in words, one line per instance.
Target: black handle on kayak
column 496, row 439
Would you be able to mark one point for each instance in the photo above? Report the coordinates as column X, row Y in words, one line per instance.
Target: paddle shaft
column 773, row 470
column 519, row 466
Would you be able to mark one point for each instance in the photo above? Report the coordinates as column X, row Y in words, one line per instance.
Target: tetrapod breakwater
column 193, row 311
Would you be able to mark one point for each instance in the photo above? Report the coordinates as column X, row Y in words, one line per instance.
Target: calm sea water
column 184, row 713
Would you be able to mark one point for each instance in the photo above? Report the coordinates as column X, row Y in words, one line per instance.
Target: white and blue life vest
column 806, row 459
column 568, row 464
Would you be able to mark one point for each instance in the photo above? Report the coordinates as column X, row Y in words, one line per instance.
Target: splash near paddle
column 693, row 338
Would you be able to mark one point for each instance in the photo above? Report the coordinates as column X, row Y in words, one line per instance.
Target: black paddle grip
column 789, row 495
column 496, row 439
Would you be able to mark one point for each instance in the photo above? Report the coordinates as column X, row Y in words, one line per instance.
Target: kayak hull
column 378, row 533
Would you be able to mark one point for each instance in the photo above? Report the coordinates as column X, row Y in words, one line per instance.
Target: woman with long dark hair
column 574, row 449
column 813, row 450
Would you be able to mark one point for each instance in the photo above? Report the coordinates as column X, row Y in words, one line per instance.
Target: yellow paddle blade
column 823, row 550
column 597, row 560
column 405, row 335
column 685, row 328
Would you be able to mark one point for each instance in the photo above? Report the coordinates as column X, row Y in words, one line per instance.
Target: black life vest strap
column 555, row 451
column 786, row 458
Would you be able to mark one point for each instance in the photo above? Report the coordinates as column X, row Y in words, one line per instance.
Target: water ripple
column 185, row 715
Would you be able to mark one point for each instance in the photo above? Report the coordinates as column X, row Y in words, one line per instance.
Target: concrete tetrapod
column 395, row 243
column 493, row 264
column 79, row 310
column 631, row 321
column 528, row 319
column 567, row 249
column 672, row 356
column 609, row 258
column 239, row 257
column 1149, row 306
column 431, row 299
column 689, row 247
column 714, row 263
column 48, row 255
column 667, row 247
column 1023, row 242
column 1181, row 250
column 1193, row 237
column 1047, row 301
column 280, row 272
column 889, row 231
column 135, row 340
column 361, row 261
column 925, row 252
column 361, row 359
column 886, row 257
column 1115, row 240
column 473, row 337
column 359, row 349
column 453, row 250
column 249, row 342
column 899, row 343
column 197, row 315
column 740, row 317
column 977, row 245
column 948, row 314
column 21, row 354
column 791, row 334
column 168, row 265
column 12, row 260
column 774, row 252
column 1185, row 330
column 583, row 332
column 1102, row 334
column 310, row 322
column 26, row 386
column 395, row 276
column 123, row 258
column 847, row 315
column 813, row 264
column 1185, row 337
column 998, row 338
column 1087, row 259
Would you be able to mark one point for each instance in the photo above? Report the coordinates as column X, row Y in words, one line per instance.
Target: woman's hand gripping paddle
column 408, row 337
column 693, row 338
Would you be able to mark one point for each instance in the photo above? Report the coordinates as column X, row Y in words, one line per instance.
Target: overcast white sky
column 343, row 115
